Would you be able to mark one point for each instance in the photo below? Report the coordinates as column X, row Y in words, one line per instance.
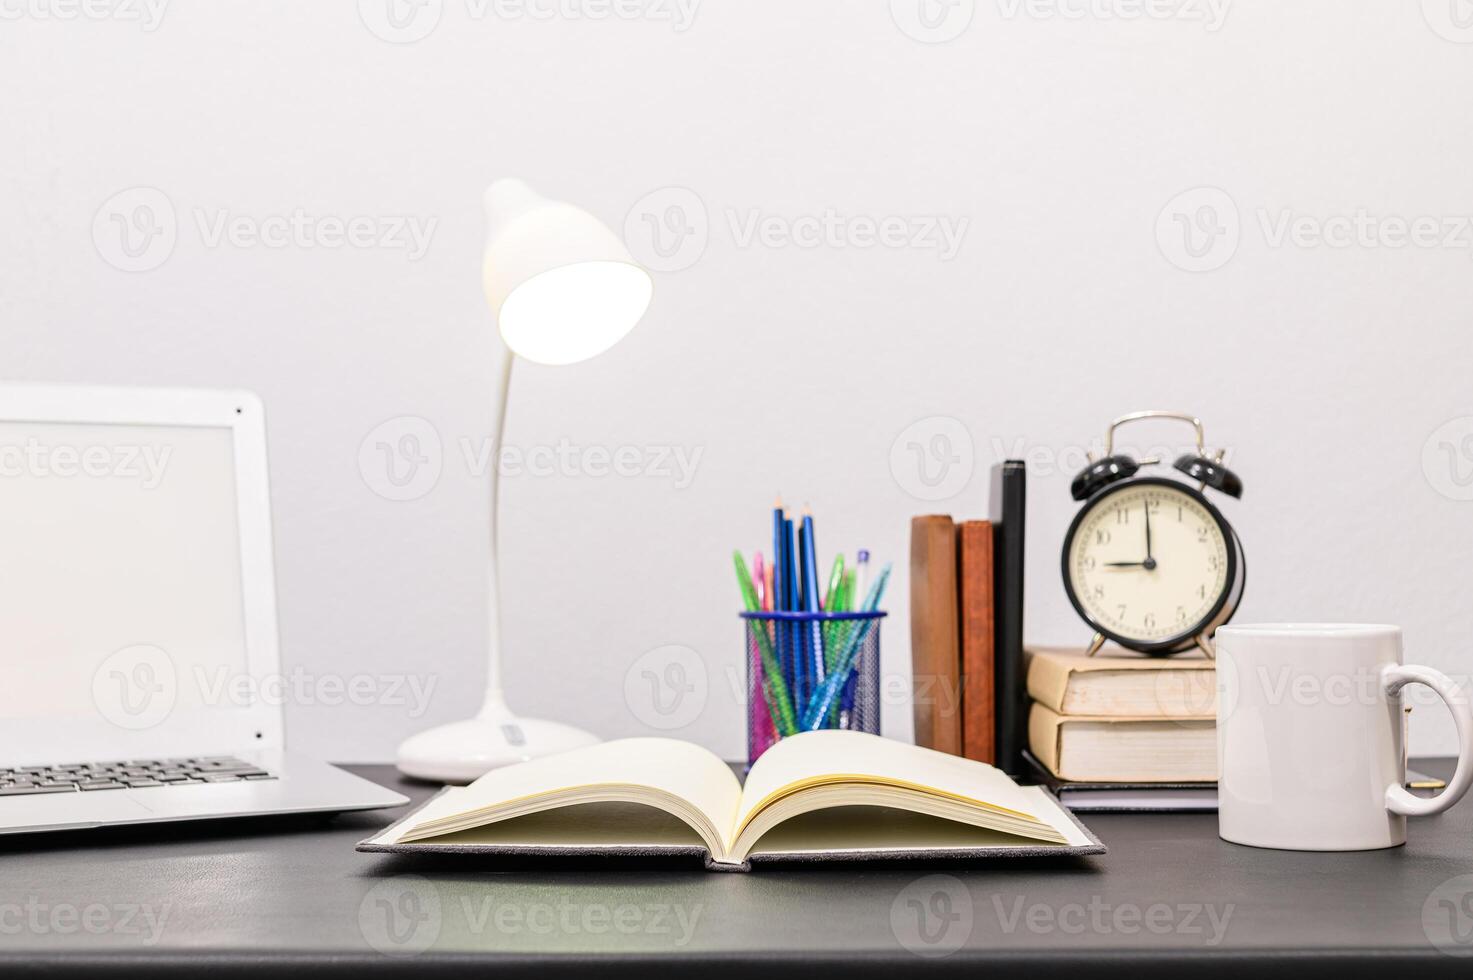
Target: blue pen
column 796, row 656
column 781, row 583
column 814, row 632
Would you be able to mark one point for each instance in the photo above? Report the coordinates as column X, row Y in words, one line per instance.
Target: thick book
column 1123, row 685
column 1007, row 507
column 978, row 642
column 815, row 796
column 935, row 663
column 1101, row 749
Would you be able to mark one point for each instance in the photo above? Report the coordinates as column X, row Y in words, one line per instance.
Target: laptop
column 140, row 680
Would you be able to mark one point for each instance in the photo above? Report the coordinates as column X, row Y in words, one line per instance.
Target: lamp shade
column 562, row 285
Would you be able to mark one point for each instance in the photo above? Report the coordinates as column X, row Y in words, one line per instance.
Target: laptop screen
column 120, row 573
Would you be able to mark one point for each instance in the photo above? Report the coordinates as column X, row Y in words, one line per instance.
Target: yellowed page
column 679, row 769
column 816, row 758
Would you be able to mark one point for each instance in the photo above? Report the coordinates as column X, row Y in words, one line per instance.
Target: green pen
column 836, row 579
column 774, row 687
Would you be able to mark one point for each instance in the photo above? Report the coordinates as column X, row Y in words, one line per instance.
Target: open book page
column 816, row 759
column 681, row 778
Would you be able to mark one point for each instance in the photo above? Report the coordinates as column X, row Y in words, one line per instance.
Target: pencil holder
column 808, row 671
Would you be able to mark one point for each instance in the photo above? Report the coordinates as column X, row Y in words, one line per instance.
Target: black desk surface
column 1170, row 899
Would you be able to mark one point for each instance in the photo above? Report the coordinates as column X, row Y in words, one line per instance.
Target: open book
column 821, row 795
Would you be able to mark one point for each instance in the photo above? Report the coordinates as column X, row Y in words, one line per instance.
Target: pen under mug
column 777, row 710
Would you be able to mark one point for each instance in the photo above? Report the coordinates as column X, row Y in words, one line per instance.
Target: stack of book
column 1124, row 731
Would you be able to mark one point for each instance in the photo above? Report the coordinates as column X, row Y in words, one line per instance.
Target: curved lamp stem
column 463, row 750
column 494, row 702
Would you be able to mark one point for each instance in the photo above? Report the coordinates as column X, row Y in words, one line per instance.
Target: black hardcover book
column 1006, row 509
column 1124, row 797
column 1158, row 797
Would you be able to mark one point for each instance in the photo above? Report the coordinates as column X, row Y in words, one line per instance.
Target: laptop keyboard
column 85, row 777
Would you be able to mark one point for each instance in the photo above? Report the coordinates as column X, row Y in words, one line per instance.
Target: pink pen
column 759, row 580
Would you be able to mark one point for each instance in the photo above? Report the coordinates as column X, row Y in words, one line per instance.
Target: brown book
column 974, row 612
column 934, row 658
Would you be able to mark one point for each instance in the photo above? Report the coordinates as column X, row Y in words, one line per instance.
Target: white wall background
column 1058, row 139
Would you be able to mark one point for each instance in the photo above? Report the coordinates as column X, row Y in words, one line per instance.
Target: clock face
column 1148, row 563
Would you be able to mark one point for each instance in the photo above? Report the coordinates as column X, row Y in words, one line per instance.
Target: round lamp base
column 461, row 751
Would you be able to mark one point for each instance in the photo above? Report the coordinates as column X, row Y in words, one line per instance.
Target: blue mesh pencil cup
column 808, row 671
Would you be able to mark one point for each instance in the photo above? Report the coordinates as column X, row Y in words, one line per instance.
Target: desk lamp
column 563, row 288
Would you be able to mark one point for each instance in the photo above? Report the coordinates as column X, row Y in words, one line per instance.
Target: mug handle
column 1398, row 800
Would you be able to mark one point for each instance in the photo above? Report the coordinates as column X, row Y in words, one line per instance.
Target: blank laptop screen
column 120, row 572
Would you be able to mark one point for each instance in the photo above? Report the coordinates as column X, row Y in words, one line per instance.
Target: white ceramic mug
column 1310, row 737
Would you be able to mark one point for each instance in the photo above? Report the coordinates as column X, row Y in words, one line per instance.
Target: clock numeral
column 1121, row 607
column 1201, row 535
column 1102, row 537
column 1181, row 614
column 1122, row 516
column 1201, row 591
column 1099, row 591
column 1087, row 563
column 1178, row 513
column 1213, row 562
column 1149, row 621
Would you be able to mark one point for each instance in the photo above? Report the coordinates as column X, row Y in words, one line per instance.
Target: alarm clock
column 1149, row 562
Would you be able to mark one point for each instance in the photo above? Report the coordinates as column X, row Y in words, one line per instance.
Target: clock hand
column 1148, row 534
column 1128, row 564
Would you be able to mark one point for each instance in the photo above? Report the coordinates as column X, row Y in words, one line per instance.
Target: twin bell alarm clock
column 1148, row 561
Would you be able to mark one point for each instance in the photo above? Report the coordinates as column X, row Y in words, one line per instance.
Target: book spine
column 1043, row 738
column 978, row 641
column 1009, row 484
column 935, row 661
column 1048, row 681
